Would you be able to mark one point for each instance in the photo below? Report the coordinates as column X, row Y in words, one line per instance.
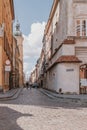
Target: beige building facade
column 65, row 43
column 19, row 38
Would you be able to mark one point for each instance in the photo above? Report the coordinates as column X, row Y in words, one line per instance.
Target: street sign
column 7, row 62
column 8, row 68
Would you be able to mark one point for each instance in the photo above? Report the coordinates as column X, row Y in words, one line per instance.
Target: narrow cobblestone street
column 33, row 110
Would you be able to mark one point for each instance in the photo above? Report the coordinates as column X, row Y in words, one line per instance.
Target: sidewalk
column 64, row 96
column 10, row 94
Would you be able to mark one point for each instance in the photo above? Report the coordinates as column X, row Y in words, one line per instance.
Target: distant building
column 40, row 69
column 33, row 77
column 19, row 38
column 6, row 43
column 16, row 55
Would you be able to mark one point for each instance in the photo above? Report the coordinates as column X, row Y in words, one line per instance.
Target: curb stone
column 13, row 95
column 54, row 95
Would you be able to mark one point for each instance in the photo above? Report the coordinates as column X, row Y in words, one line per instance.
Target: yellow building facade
column 6, row 43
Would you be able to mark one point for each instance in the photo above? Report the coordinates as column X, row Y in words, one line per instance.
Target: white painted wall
column 57, row 55
column 64, row 76
column 68, row 80
column 70, row 18
column 80, row 9
column 64, row 50
column 68, row 50
column 52, row 79
column 62, row 24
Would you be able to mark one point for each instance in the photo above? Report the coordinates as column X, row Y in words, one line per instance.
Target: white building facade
column 66, row 47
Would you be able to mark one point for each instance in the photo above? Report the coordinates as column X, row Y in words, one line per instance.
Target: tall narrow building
column 19, row 38
column 6, row 43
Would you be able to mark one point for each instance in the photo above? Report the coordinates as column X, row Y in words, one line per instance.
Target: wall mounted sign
column 7, row 68
column 69, row 69
column 7, row 62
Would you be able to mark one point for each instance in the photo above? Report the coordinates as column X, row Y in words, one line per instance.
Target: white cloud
column 32, row 45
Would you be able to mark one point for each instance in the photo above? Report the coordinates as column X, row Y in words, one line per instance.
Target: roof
column 71, row 58
column 69, row 41
column 65, row 59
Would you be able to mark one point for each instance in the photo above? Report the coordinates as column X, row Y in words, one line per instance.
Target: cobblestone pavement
column 34, row 111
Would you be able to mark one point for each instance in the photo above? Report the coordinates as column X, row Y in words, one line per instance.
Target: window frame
column 79, row 27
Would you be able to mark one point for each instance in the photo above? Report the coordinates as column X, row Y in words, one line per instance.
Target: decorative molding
column 80, row 1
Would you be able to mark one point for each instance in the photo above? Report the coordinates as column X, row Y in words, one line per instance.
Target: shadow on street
column 8, row 118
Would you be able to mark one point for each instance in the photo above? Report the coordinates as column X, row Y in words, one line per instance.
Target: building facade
column 6, row 43
column 19, row 38
column 65, row 42
column 32, row 78
column 15, row 63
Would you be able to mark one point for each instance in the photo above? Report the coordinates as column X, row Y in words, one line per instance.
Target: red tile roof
column 65, row 59
column 69, row 41
column 71, row 58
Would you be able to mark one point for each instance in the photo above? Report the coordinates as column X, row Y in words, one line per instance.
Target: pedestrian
column 27, row 85
column 30, row 85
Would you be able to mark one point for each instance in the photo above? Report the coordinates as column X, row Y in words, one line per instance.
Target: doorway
column 83, row 79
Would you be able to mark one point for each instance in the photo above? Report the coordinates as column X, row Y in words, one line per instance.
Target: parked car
column 35, row 85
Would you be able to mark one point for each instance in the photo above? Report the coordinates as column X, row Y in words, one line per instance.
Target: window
column 51, row 45
column 78, row 28
column 84, row 28
column 81, row 28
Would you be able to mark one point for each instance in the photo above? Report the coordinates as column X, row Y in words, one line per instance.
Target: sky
column 32, row 16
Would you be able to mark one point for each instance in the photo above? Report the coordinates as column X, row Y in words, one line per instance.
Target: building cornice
column 80, row 1
column 12, row 8
column 54, row 6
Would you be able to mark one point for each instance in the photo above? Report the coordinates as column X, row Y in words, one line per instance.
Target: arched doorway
column 83, row 79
